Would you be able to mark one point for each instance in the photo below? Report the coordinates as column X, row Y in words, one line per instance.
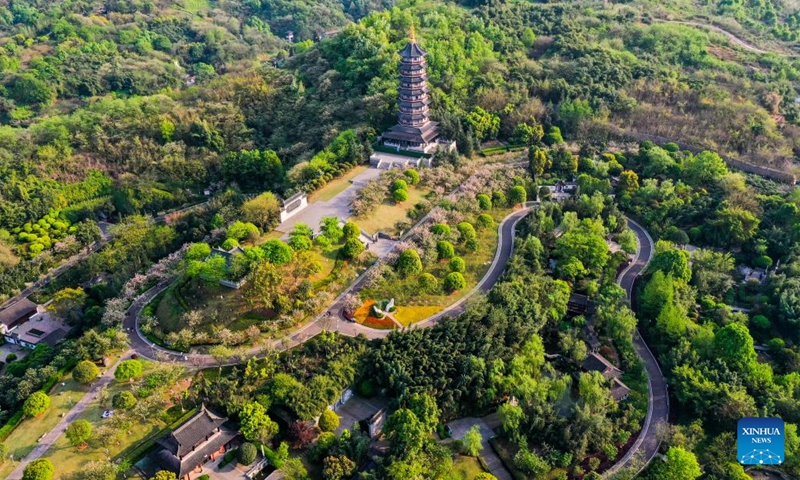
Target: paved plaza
column 338, row 206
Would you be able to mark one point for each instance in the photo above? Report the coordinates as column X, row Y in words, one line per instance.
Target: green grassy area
column 68, row 460
column 206, row 298
column 410, row 314
column 466, row 468
column 25, row 437
column 387, row 214
column 336, row 186
column 414, row 305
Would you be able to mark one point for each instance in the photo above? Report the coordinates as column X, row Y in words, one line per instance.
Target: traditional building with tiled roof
column 206, row 436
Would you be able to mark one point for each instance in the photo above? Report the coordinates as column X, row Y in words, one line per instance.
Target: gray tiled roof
column 17, row 310
column 192, row 432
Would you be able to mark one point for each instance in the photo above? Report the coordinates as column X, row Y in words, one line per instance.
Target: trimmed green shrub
column 454, row 281
column 484, row 221
column 457, row 264
column 484, row 202
column 441, row 229
column 445, row 250
column 85, row 372
column 400, row 195
column 328, row 421
column 409, row 263
column 247, row 453
column 428, row 283
column 352, row 248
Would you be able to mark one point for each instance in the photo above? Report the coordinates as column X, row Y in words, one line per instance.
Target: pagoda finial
column 411, row 35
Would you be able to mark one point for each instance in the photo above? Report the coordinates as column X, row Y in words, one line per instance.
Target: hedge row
column 405, row 153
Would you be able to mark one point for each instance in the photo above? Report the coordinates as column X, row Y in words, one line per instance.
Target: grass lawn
column 68, row 460
column 336, row 186
column 414, row 313
column 24, row 438
column 387, row 214
column 207, row 298
column 466, row 468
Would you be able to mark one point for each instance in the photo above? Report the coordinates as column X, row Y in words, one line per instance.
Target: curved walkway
column 329, row 320
column 647, row 443
column 644, row 448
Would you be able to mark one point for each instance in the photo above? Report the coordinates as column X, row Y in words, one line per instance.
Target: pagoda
column 414, row 130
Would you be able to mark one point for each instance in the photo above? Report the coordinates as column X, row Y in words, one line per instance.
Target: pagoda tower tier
column 414, row 128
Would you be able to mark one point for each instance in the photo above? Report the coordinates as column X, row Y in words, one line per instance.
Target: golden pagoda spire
column 411, row 35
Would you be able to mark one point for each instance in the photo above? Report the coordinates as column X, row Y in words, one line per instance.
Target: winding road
column 647, row 443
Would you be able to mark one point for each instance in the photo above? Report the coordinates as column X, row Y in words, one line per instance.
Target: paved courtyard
column 356, row 409
column 7, row 349
column 338, row 206
column 493, row 461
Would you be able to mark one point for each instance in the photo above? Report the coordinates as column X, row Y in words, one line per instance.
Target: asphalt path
column 644, row 448
column 647, row 443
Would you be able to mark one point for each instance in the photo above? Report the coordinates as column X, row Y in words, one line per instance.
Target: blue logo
column 760, row 441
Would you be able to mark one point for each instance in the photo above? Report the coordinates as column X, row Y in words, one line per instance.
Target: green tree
column 352, row 248
column 351, row 230
column 527, row 134
column 511, row 418
column 628, row 182
column 247, row 453
column 428, row 283
column 128, row 369
column 466, row 231
column 399, row 184
column 485, row 125
column 164, row 475
column 400, row 195
column 124, row 400
column 406, row 432
column 734, row 346
column 255, row 424
column 412, row 175
column 424, row 407
column 445, row 250
column 79, row 432
column 538, row 162
column 517, row 195
column 263, row 211
column 337, row 467
column 457, row 264
column 293, row 469
column 528, row 37
column 87, row 232
column 409, row 263
column 3, row 452
column 672, row 261
column 680, row 465
column 331, row 229
column 277, row 252
column 484, row 202
column 454, row 281
column 39, row 469
column 704, row 169
column 240, row 231
column 553, row 136
column 85, row 372
column 484, row 221
column 68, row 303
column 198, row 251
column 733, row 226
column 328, row 421
column 472, row 441
column 36, row 404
